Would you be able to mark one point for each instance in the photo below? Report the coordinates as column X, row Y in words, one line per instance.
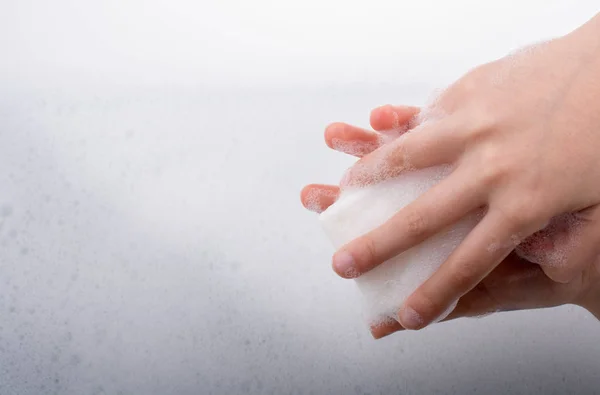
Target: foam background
column 151, row 235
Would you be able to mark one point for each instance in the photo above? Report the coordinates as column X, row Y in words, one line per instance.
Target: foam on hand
column 359, row 210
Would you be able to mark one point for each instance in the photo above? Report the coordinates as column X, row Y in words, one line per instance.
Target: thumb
column 567, row 246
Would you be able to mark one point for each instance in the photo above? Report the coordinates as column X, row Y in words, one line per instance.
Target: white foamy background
column 152, row 240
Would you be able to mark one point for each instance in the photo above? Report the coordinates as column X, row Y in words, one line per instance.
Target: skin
column 515, row 283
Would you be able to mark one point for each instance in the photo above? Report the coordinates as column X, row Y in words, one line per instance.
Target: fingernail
column 344, row 265
column 410, row 319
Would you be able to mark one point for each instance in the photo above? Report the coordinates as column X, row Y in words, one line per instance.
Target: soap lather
column 359, row 210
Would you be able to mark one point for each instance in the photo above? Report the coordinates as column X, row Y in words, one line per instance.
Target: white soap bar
column 359, row 210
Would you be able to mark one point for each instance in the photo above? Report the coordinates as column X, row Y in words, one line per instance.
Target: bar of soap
column 359, row 210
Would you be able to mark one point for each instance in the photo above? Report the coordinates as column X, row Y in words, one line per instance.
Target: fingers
column 318, row 198
column 515, row 284
column 430, row 144
column 561, row 252
column 396, row 119
column 352, row 140
column 481, row 251
column 439, row 207
column 359, row 142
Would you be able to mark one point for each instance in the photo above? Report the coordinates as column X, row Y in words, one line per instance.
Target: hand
column 522, row 135
column 516, row 283
column 389, row 122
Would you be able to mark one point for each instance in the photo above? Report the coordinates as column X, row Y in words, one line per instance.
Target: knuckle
column 489, row 175
column 483, row 118
column 474, row 80
column 428, row 308
column 464, row 275
column 522, row 213
column 395, row 154
column 513, row 217
column 494, row 167
column 470, row 82
column 416, row 226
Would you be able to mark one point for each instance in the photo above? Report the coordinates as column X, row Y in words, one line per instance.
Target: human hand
column 516, row 283
column 521, row 134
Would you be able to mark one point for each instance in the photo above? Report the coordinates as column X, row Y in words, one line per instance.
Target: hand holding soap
column 360, row 210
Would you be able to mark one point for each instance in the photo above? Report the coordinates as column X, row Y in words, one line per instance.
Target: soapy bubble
column 355, row 147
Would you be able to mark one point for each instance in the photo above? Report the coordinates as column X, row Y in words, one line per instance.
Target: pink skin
column 515, row 283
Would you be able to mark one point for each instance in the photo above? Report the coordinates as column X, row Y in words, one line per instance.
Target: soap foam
column 552, row 245
column 360, row 210
column 313, row 200
column 357, row 148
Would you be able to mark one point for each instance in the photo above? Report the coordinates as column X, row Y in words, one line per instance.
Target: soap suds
column 314, row 199
column 359, row 210
column 552, row 245
column 357, row 148
column 387, row 162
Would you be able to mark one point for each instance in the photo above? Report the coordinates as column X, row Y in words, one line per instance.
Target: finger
column 385, row 328
column 395, row 119
column 352, row 140
column 481, row 251
column 566, row 246
column 439, row 207
column 318, row 198
column 430, row 144
column 476, row 303
column 516, row 284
